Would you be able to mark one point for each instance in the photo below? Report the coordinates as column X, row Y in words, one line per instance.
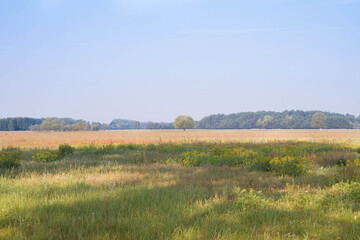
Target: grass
column 155, row 201
column 130, row 192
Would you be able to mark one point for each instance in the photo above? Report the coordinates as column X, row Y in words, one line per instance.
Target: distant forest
column 243, row 120
column 276, row 120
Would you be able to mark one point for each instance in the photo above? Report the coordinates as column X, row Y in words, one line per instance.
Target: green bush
column 193, row 158
column 332, row 158
column 218, row 150
column 99, row 149
column 349, row 172
column 10, row 157
column 341, row 192
column 292, row 166
column 65, row 150
column 259, row 165
column 105, row 148
column 150, row 147
column 140, row 157
column 126, row 147
column 216, row 156
column 248, row 199
column 174, row 148
column 46, row 156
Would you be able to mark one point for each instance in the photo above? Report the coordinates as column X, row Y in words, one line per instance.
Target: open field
column 255, row 188
column 53, row 139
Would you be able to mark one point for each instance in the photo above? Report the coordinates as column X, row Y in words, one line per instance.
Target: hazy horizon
column 154, row 60
column 87, row 120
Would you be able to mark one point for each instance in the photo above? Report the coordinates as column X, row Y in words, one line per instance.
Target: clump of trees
column 48, row 124
column 118, row 124
column 357, row 124
column 18, row 123
column 265, row 122
column 277, row 120
column 125, row 124
column 318, row 120
column 59, row 124
column 184, row 122
column 159, row 125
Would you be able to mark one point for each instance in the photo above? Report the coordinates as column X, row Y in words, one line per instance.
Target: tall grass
column 130, row 192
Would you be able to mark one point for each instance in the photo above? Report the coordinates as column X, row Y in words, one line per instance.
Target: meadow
column 279, row 184
column 28, row 139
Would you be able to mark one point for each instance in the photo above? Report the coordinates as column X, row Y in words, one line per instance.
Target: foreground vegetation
column 274, row 190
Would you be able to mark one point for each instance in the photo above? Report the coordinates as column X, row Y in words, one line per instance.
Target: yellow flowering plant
column 292, row 166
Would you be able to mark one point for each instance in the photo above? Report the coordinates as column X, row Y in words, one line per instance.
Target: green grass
column 132, row 193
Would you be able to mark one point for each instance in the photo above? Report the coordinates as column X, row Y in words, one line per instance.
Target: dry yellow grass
column 53, row 139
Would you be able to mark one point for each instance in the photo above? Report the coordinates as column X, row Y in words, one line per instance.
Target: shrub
column 98, row 149
column 218, row 151
column 174, row 148
column 327, row 159
column 125, row 147
column 259, row 165
column 347, row 172
column 150, row 147
column 292, row 166
column 299, row 197
column 65, row 150
column 216, row 156
column 193, row 158
column 341, row 192
column 10, row 157
column 248, row 199
column 46, row 156
column 140, row 157
column 105, row 148
column 354, row 193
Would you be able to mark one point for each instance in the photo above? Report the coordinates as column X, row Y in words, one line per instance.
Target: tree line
column 118, row 124
column 19, row 124
column 244, row 120
column 277, row 120
column 48, row 124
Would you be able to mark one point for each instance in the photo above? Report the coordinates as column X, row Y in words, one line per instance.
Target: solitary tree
column 263, row 123
column 94, row 127
column 287, row 119
column 80, row 126
column 318, row 120
column 105, row 126
column 184, row 122
column 136, row 125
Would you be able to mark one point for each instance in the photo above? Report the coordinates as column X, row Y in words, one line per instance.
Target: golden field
column 261, row 187
column 53, row 139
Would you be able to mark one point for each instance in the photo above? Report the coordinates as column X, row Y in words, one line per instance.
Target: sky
column 152, row 60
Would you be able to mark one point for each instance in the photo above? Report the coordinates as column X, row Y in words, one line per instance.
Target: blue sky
column 156, row 59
